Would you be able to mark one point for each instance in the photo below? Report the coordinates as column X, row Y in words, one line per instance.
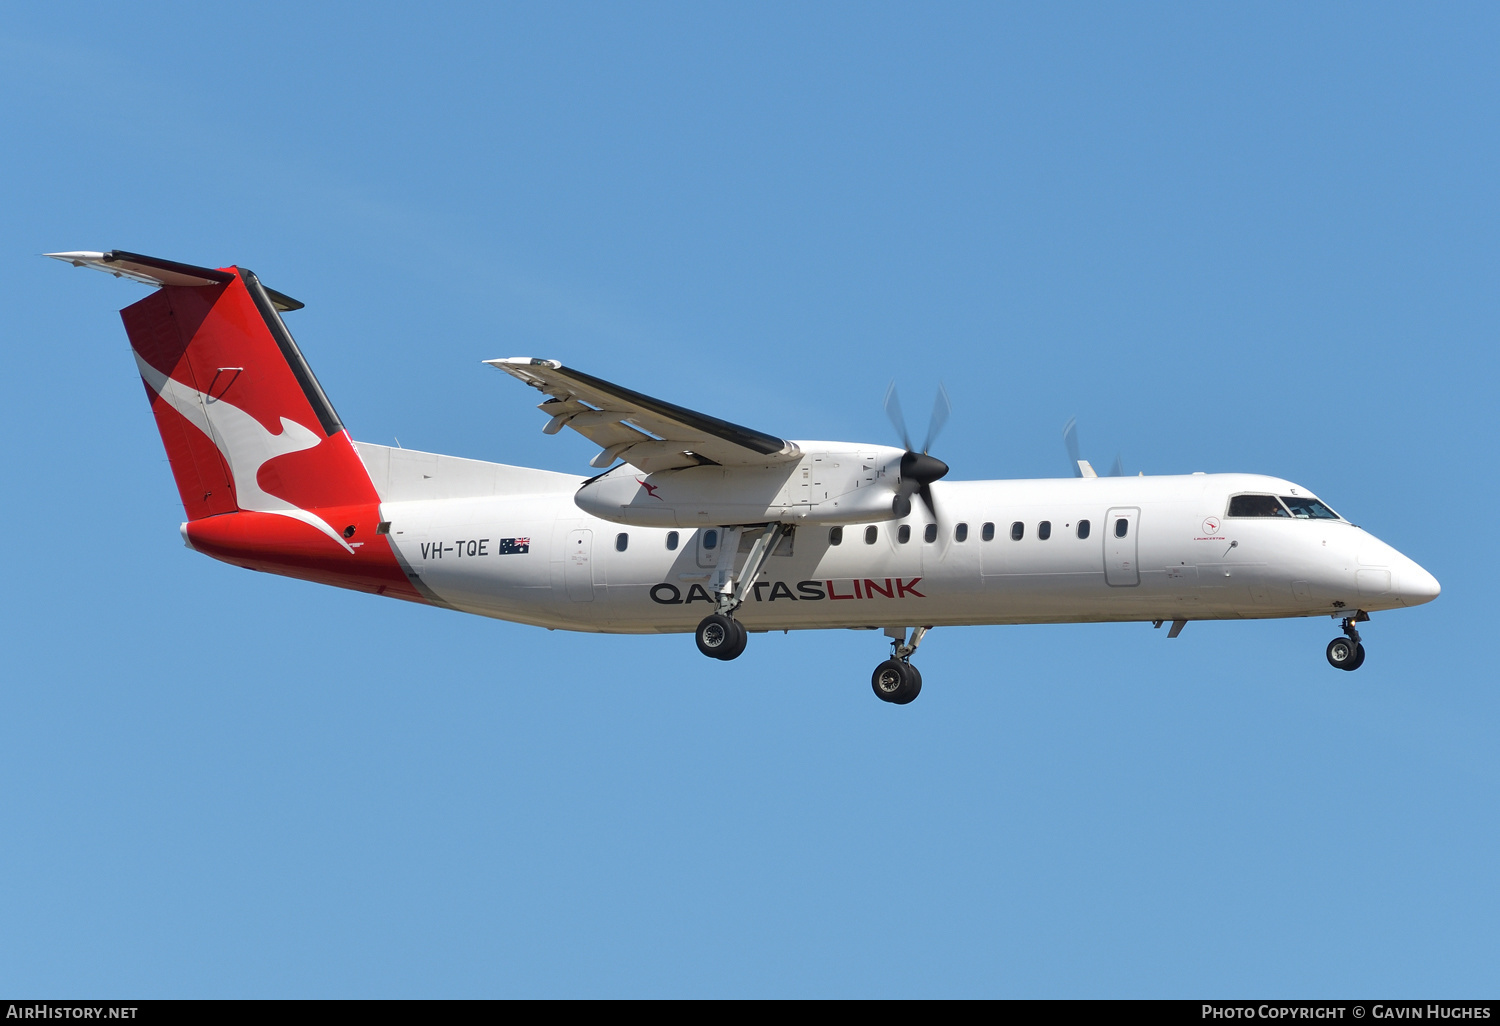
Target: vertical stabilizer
column 268, row 476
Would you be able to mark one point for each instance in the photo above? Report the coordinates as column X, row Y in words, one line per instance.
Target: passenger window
column 870, row 533
column 1257, row 506
column 1044, row 530
column 671, row 541
column 710, row 539
column 835, row 536
column 1017, row 531
column 929, row 535
column 1122, row 527
column 961, row 532
column 622, row 541
column 987, row 532
column 1083, row 528
column 903, row 534
column 1309, row 509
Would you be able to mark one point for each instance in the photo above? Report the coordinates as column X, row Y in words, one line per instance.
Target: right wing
column 647, row 433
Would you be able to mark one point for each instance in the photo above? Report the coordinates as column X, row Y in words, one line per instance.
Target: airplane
column 695, row 524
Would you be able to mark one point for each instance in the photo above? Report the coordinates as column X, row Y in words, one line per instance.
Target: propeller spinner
column 918, row 470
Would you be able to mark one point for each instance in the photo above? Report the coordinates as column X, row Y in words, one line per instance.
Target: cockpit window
column 1257, row 506
column 1309, row 509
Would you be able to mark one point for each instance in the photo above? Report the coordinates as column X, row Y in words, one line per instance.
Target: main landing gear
column 1347, row 653
column 720, row 635
column 896, row 680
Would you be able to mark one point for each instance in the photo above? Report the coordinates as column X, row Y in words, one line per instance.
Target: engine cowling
column 833, row 483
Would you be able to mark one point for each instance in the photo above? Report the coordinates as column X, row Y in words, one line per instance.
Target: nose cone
column 1416, row 585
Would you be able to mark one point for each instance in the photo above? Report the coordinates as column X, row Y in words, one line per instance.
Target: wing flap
column 647, row 433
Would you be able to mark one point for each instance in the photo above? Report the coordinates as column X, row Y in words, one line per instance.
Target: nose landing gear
column 896, row 680
column 1348, row 653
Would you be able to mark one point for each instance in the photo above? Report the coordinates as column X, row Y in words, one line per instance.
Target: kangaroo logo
column 650, row 489
column 245, row 444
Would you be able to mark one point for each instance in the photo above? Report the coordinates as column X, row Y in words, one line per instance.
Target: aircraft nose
column 1417, row 585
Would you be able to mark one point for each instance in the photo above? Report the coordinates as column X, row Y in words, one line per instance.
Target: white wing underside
column 646, row 433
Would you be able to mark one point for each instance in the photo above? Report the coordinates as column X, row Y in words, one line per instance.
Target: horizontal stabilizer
column 156, row 271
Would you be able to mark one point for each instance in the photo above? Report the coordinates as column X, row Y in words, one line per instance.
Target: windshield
column 1309, row 509
column 1256, row 506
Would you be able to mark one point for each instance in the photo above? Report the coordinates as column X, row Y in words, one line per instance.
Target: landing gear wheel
column 916, row 683
column 742, row 638
column 720, row 636
column 896, row 682
column 1345, row 654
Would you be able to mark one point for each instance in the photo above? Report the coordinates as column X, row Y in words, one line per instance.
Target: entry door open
column 578, row 566
column 1121, row 566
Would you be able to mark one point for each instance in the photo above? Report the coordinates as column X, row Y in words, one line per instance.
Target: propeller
column 918, row 470
column 1070, row 439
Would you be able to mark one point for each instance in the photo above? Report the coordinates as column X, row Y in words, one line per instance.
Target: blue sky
column 1225, row 238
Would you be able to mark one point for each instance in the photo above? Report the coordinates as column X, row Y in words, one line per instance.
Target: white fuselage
column 512, row 543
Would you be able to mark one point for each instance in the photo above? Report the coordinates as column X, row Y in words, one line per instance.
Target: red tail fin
column 245, row 423
column 268, row 475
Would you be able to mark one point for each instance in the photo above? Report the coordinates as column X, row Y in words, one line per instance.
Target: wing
column 647, row 433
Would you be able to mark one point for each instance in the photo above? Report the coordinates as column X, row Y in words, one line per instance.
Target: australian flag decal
column 513, row 546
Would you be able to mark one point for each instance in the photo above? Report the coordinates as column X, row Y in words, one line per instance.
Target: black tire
column 1359, row 657
column 737, row 647
column 717, row 634
column 896, row 682
column 1345, row 654
column 916, row 685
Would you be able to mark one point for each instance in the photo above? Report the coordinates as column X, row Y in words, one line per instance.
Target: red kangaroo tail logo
column 246, row 425
column 249, row 432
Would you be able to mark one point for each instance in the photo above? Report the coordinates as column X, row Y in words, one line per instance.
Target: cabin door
column 708, row 547
column 578, row 566
column 1121, row 565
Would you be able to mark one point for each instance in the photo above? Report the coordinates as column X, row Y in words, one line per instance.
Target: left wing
column 647, row 433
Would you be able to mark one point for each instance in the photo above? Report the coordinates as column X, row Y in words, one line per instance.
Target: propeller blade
column 1118, row 470
column 893, row 411
column 918, row 470
column 942, row 408
column 1070, row 439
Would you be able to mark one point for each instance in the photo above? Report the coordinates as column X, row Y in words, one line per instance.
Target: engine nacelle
column 833, row 483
